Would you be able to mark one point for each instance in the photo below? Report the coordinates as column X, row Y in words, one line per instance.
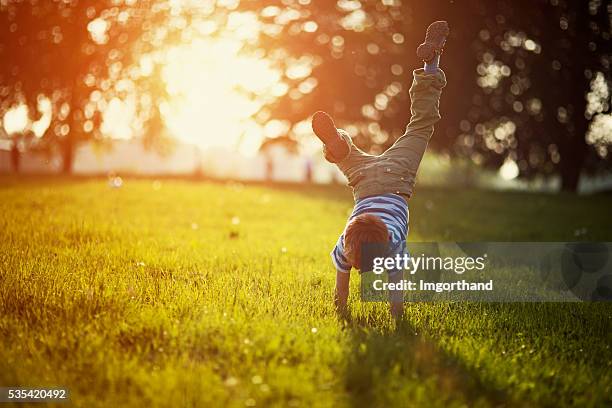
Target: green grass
column 200, row 294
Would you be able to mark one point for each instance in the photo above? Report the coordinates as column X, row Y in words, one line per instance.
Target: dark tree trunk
column 573, row 147
column 67, row 154
column 15, row 157
column 69, row 142
column 572, row 163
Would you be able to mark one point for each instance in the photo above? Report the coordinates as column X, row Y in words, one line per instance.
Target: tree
column 518, row 76
column 74, row 54
column 518, row 70
column 536, row 64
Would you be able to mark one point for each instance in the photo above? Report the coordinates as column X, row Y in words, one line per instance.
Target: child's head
column 365, row 228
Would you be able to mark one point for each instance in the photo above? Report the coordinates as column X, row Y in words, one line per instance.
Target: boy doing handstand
column 382, row 185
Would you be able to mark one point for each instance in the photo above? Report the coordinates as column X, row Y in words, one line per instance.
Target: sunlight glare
column 16, row 119
column 118, row 118
column 509, row 170
column 215, row 92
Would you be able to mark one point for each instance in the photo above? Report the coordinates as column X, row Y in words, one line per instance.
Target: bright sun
column 217, row 84
column 214, row 87
column 214, row 93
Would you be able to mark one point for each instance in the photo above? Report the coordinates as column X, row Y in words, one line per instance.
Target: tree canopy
column 528, row 80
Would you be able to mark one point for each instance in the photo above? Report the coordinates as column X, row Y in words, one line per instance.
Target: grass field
column 180, row 293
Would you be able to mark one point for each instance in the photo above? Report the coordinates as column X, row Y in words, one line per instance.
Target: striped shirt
column 392, row 209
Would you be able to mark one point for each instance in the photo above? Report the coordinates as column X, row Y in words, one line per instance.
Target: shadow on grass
column 396, row 366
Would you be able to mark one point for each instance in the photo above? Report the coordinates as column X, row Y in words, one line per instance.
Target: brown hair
column 365, row 228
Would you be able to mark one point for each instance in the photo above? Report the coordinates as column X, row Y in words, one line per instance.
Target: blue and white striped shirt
column 392, row 209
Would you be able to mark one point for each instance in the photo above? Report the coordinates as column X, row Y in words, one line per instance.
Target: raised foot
column 325, row 129
column 434, row 41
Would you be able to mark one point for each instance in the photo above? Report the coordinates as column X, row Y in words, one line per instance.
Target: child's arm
column 396, row 297
column 342, row 290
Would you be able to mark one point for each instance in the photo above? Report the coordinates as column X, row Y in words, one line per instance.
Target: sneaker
column 325, row 129
column 434, row 41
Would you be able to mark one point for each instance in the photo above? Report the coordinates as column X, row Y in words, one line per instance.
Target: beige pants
column 395, row 170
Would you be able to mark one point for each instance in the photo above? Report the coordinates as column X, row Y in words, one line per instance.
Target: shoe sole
column 324, row 127
column 434, row 40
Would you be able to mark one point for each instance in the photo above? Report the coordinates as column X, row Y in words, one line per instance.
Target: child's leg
column 425, row 96
column 425, row 93
column 342, row 290
column 339, row 148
